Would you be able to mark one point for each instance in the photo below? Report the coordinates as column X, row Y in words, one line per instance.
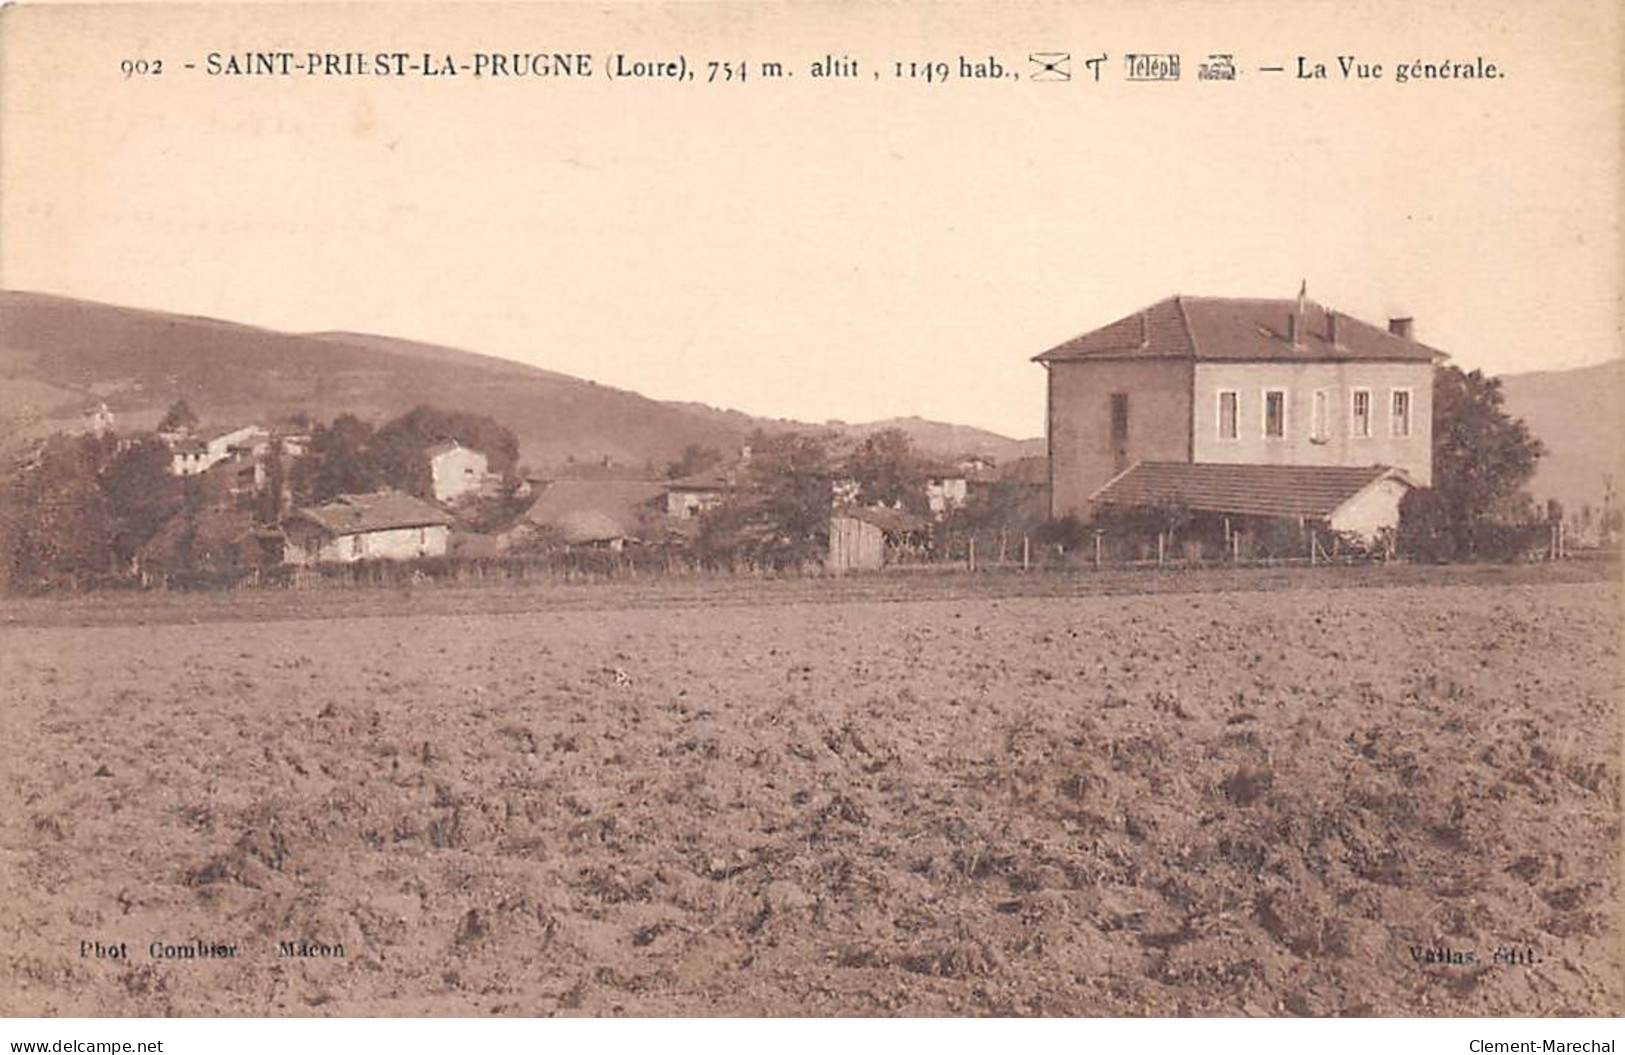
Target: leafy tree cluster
column 180, row 416
column 1482, row 460
column 781, row 516
column 695, row 458
column 85, row 508
column 349, row 456
column 888, row 471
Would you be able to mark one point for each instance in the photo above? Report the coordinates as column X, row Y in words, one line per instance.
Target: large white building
column 1274, row 408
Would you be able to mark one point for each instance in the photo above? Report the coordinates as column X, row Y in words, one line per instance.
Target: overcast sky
column 851, row 249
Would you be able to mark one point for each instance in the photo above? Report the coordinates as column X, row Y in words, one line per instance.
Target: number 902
column 141, row 67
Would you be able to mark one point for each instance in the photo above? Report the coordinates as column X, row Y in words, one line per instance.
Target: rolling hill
column 60, row 355
column 1580, row 415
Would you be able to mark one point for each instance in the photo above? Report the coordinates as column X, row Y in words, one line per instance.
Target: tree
column 141, row 493
column 888, row 471
column 400, row 445
column 340, row 461
column 1482, row 459
column 694, row 459
column 59, row 524
column 782, row 516
column 1003, row 505
column 268, row 507
column 179, row 416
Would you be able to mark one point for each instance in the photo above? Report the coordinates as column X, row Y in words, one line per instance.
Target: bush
column 1067, row 532
column 1430, row 531
column 1426, row 527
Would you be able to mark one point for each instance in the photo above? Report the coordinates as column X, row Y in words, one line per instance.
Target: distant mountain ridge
column 59, row 355
column 1579, row 414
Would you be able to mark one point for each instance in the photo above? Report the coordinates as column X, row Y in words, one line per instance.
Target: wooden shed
column 860, row 538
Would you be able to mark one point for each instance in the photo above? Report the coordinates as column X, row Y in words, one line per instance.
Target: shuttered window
column 1399, row 420
column 1360, row 413
column 1274, row 413
column 1319, row 430
column 1229, row 415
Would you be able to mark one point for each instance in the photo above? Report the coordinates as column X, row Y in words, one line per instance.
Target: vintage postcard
column 823, row 509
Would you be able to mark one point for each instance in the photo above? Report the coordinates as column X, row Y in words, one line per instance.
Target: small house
column 946, row 490
column 385, row 525
column 99, row 420
column 198, row 451
column 596, row 513
column 866, row 538
column 456, row 470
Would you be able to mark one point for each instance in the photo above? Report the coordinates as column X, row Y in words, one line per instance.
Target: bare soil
column 1213, row 802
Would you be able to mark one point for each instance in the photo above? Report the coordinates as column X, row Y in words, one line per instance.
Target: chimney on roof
column 1331, row 326
column 1401, row 327
column 1294, row 326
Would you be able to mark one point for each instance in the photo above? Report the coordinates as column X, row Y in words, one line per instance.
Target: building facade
column 456, row 470
column 1219, row 381
column 193, row 452
column 384, row 525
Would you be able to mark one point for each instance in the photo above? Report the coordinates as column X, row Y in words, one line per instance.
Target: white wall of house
column 216, row 449
column 1370, row 511
column 687, row 504
column 943, row 494
column 457, row 472
column 308, row 545
column 1386, row 439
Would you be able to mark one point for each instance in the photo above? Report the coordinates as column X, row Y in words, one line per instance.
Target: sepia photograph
column 846, row 510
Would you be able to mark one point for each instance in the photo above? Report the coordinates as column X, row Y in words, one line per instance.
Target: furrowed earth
column 1297, row 801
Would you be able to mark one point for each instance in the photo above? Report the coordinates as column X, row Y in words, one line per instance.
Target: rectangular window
column 1399, row 421
column 1274, row 413
column 1319, row 431
column 1360, row 413
column 1119, row 431
column 1229, row 415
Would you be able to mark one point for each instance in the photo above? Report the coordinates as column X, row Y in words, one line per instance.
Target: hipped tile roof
column 1312, row 491
column 891, row 521
column 379, row 511
column 595, row 510
column 1239, row 330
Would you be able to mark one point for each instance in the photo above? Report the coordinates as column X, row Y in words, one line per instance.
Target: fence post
column 973, row 553
column 1159, row 549
column 1311, row 547
column 1026, row 554
column 1097, row 550
column 1235, row 547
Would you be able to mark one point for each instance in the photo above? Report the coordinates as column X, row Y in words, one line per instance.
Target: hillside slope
column 1580, row 415
column 59, row 355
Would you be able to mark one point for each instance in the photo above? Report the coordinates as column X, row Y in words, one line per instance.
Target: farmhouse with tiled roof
column 385, row 525
column 1242, row 406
